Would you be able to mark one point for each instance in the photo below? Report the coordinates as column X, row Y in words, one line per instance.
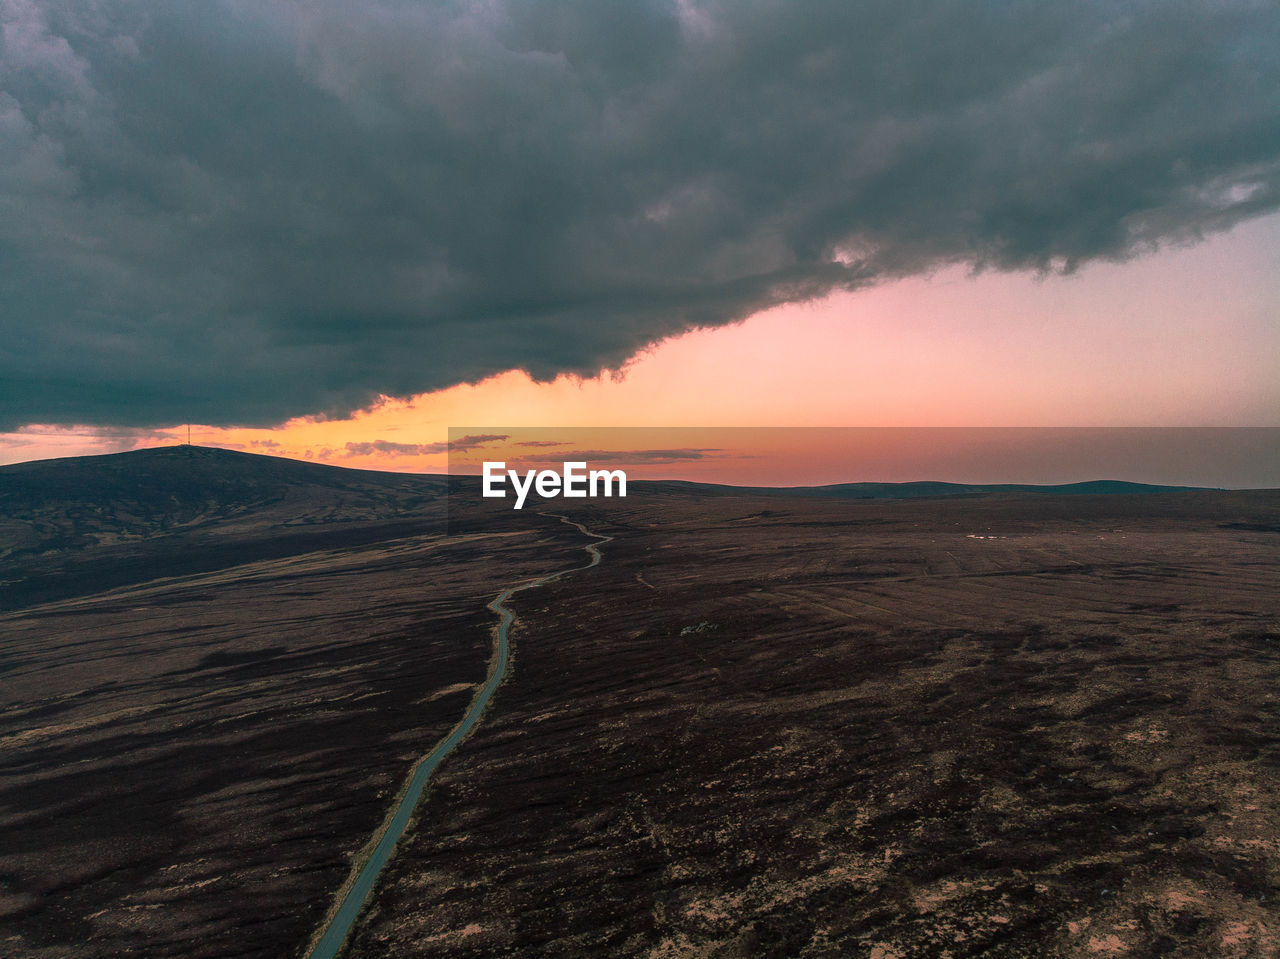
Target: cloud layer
column 232, row 213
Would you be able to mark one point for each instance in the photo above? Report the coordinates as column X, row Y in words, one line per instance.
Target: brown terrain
column 190, row 759
column 998, row 725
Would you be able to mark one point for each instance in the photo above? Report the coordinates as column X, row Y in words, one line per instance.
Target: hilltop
column 83, row 524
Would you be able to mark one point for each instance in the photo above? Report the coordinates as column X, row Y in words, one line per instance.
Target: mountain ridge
column 236, row 465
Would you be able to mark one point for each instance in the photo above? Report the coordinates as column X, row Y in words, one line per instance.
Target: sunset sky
column 333, row 231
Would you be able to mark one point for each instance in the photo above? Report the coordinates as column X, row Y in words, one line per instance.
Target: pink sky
column 1182, row 337
column 817, row 455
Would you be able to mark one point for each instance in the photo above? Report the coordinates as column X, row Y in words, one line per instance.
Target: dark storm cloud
column 231, row 212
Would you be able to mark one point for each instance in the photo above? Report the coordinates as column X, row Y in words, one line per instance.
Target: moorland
column 999, row 723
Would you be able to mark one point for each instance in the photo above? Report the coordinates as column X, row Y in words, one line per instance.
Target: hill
column 931, row 489
column 80, row 525
column 84, row 524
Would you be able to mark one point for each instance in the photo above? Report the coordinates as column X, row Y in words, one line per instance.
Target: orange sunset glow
column 1135, row 344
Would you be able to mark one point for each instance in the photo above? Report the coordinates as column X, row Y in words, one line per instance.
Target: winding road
column 351, row 897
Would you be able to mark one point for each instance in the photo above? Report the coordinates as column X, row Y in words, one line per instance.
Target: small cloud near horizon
column 388, row 448
column 625, row 457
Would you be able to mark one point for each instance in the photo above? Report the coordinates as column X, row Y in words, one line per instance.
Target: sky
column 1215, row 457
column 332, row 231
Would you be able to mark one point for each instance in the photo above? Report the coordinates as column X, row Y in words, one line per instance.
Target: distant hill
column 84, row 524
column 920, row 490
column 73, row 525
column 180, row 481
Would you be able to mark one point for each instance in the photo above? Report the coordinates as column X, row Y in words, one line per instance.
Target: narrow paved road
column 351, row 897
